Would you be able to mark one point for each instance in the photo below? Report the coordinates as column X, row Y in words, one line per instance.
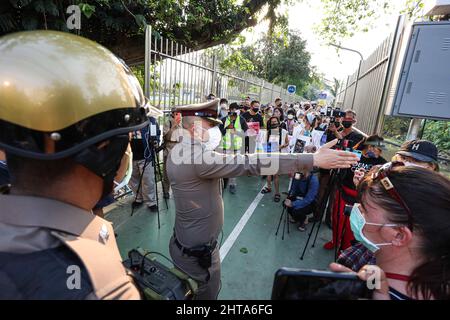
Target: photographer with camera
column 402, row 218
column 302, row 198
column 345, row 192
column 143, row 181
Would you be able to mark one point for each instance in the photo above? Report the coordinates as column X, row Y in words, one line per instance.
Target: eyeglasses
column 382, row 176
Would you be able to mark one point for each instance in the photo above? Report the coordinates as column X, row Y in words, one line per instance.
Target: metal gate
column 176, row 75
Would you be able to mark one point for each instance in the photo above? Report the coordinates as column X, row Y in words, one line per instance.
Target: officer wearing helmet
column 67, row 106
column 194, row 170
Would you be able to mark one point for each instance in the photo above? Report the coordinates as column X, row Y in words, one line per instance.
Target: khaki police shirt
column 29, row 224
column 194, row 174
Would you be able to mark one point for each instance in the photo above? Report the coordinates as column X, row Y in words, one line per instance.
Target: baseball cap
column 421, row 150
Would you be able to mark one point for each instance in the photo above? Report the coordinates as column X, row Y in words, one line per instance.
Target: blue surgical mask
column 371, row 154
column 357, row 223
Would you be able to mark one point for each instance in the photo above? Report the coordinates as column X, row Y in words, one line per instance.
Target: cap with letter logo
column 421, row 150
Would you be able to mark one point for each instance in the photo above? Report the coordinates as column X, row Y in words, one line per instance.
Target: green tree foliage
column 344, row 18
column 281, row 60
column 439, row 133
column 197, row 24
column 396, row 128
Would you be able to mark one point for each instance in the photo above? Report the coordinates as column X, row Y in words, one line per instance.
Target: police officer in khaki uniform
column 67, row 106
column 194, row 171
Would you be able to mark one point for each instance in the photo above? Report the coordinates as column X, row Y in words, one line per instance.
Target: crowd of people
column 60, row 170
column 397, row 217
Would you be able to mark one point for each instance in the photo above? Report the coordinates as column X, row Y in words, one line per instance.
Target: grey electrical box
column 423, row 89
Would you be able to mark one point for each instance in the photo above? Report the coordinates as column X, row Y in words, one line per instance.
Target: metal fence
column 177, row 75
column 370, row 86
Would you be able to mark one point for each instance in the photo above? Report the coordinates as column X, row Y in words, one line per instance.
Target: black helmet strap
column 104, row 162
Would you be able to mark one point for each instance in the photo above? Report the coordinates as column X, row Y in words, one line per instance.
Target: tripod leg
column 287, row 222
column 338, row 225
column 156, row 191
column 162, row 185
column 284, row 225
column 279, row 222
column 307, row 240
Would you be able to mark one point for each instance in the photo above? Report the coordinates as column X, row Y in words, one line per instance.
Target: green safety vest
column 237, row 140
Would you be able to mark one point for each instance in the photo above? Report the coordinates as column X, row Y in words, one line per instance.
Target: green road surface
column 249, row 267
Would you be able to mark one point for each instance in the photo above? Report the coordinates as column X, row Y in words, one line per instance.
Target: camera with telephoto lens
column 337, row 113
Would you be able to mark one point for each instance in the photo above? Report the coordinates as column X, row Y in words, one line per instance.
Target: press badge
column 153, row 130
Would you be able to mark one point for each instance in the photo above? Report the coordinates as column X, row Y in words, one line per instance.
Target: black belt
column 198, row 251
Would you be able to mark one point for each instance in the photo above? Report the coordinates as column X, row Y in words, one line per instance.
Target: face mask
column 255, row 110
column 371, row 154
column 357, row 223
column 274, row 126
column 270, row 114
column 223, row 106
column 347, row 124
column 127, row 177
column 215, row 136
column 232, row 113
column 290, row 116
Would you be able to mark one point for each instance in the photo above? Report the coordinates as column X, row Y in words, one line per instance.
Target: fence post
column 214, row 75
column 148, row 43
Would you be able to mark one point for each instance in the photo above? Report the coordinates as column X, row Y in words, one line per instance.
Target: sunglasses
column 382, row 176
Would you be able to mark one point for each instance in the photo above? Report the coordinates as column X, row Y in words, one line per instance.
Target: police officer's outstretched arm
column 217, row 165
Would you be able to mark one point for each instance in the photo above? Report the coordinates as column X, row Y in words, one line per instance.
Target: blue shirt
column 142, row 150
column 300, row 188
column 4, row 173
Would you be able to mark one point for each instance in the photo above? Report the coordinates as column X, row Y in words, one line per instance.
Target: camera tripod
column 156, row 169
column 284, row 214
column 327, row 199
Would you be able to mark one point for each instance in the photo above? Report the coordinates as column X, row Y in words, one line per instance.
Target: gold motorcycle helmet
column 62, row 95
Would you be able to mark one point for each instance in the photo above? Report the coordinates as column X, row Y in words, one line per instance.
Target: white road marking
column 239, row 227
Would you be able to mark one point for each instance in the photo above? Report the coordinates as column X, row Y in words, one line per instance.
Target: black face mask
column 232, row 113
column 255, row 110
column 347, row 124
column 274, row 126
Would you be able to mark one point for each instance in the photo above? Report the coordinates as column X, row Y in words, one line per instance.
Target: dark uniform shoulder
column 42, row 275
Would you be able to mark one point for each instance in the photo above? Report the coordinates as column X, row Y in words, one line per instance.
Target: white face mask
column 126, row 179
column 238, row 112
column 215, row 136
column 290, row 117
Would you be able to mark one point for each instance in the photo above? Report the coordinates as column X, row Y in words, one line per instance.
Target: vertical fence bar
column 160, row 71
column 148, row 43
column 155, row 59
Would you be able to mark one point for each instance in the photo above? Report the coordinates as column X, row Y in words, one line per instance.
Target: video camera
column 335, row 113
